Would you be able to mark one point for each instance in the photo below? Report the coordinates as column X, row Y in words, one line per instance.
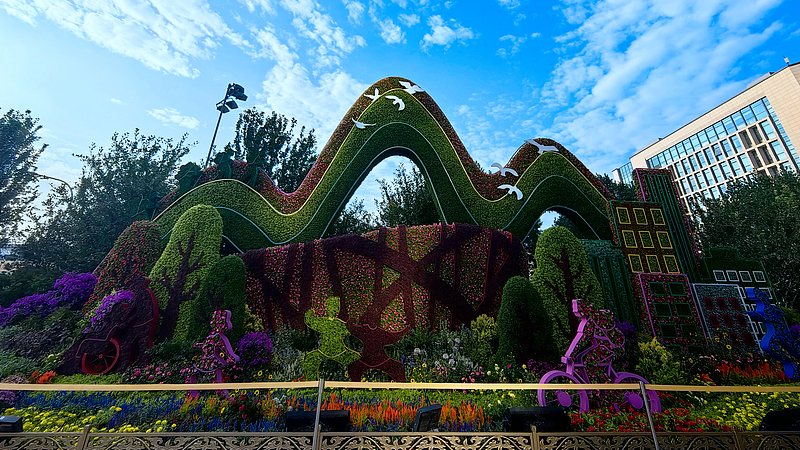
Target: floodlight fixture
column 226, row 105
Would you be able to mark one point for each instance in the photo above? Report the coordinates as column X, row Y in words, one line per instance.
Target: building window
column 726, row 170
column 740, row 320
column 638, row 213
column 756, row 135
column 745, row 276
column 671, row 264
column 727, row 320
column 663, row 239
column 646, row 238
column 735, row 303
column 713, row 320
column 759, row 276
column 776, row 147
column 745, row 163
column 732, row 275
column 629, row 238
column 658, row 216
column 669, row 330
column 657, row 288
column 745, row 139
column 636, row 263
column 766, row 127
column 683, row 310
column 652, row 262
column 738, row 120
column 708, row 302
column 622, row 215
column 720, row 276
column 662, row 309
column 765, row 154
column 721, row 303
column 748, row 338
column 701, row 180
column 734, row 338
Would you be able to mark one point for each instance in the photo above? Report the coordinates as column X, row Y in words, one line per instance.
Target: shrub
column 222, row 289
column 483, row 340
column 658, row 365
column 70, row 291
column 523, row 326
column 254, row 349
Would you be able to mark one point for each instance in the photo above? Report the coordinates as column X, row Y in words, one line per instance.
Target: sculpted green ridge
column 464, row 194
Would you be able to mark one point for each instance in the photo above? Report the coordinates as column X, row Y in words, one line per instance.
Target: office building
column 752, row 132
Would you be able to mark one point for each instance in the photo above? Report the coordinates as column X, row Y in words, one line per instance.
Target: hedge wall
column 266, row 216
column 399, row 278
column 192, row 250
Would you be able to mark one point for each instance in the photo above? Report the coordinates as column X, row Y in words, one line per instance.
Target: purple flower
column 254, row 348
column 105, row 307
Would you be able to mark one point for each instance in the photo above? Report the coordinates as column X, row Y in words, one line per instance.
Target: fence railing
column 319, row 440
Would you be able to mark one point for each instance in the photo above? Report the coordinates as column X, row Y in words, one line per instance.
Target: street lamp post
column 225, row 105
column 47, row 177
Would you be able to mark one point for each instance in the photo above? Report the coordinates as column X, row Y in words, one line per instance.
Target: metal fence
column 320, row 440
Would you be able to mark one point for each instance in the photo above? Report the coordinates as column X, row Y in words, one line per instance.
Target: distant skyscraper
column 752, row 132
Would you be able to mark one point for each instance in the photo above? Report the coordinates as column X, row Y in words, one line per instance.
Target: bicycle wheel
column 634, row 398
column 556, row 397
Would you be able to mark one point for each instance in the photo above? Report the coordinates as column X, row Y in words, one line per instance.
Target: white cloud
column 173, row 116
column 510, row 4
column 267, row 5
column 355, row 10
column 519, row 19
column 115, row 101
column 332, row 42
column 637, row 70
column 409, row 20
column 272, row 47
column 390, row 32
column 516, row 42
column 442, row 34
column 316, row 102
column 162, row 34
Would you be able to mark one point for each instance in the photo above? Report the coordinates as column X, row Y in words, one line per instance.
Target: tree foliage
column 114, row 190
column 269, row 143
column 354, row 218
column 18, row 156
column 406, row 200
column 621, row 191
column 563, row 274
column 761, row 219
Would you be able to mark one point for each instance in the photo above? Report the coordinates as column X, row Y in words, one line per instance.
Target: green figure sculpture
column 331, row 345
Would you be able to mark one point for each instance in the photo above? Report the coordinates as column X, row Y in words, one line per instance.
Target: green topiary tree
column 192, row 250
column 524, row 329
column 563, row 274
column 223, row 289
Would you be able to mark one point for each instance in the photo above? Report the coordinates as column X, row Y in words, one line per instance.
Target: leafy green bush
column 658, row 365
column 483, row 340
column 524, row 329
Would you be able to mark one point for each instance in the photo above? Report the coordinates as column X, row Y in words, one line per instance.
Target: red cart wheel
column 102, row 363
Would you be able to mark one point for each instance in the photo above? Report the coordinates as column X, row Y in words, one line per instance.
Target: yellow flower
column 257, row 392
column 270, row 376
column 260, row 373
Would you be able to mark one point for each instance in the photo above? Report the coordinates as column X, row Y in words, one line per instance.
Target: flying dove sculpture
column 362, row 125
column 374, row 96
column 511, row 190
column 505, row 170
column 411, row 88
column 397, row 101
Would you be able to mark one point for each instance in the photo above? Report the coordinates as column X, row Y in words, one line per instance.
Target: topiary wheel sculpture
column 102, row 363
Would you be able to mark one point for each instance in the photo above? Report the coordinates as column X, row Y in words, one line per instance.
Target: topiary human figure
column 216, row 349
column 373, row 355
column 331, row 345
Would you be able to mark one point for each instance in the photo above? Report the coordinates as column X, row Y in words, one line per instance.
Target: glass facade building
column 750, row 133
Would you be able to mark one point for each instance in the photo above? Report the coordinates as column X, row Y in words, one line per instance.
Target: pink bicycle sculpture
column 600, row 341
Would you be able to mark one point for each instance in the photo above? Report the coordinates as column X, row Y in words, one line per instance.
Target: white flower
column 445, row 356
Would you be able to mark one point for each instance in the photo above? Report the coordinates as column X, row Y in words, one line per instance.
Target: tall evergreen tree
column 18, row 156
column 406, row 199
column 269, row 143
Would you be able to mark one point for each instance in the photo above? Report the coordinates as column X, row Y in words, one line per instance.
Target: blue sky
column 603, row 77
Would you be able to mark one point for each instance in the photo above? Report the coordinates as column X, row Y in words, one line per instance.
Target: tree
column 268, row 143
column 621, row 191
column 563, row 274
column 114, row 190
column 761, row 219
column 522, row 310
column 406, row 199
column 354, row 219
column 18, row 157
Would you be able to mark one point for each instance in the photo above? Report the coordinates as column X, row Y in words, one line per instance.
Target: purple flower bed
column 72, row 290
column 105, row 307
column 254, row 349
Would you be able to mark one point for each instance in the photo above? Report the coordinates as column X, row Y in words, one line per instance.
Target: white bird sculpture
column 511, row 190
column 411, row 88
column 549, row 148
column 397, row 101
column 362, row 125
column 373, row 97
column 505, row 170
